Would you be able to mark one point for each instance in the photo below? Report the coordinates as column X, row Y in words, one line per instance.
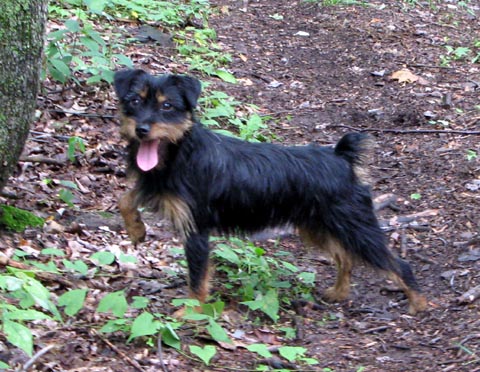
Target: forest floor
column 319, row 72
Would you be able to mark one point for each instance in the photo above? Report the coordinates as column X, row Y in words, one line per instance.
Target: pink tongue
column 147, row 156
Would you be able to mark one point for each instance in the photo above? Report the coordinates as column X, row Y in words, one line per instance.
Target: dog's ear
column 123, row 80
column 191, row 88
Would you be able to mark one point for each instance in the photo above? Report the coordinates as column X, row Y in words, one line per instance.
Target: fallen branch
column 408, row 221
column 469, row 296
column 83, row 114
column 409, row 131
column 129, row 360
column 414, row 216
column 41, row 159
column 37, row 355
column 375, row 330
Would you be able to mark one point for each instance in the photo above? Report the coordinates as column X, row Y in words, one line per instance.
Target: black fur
column 233, row 186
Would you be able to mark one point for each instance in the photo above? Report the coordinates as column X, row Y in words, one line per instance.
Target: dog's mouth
column 147, row 155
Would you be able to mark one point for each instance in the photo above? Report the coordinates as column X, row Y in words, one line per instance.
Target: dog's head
column 155, row 111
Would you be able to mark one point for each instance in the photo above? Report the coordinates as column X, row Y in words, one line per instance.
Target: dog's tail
column 356, row 149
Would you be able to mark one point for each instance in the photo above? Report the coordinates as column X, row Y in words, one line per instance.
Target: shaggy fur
column 205, row 182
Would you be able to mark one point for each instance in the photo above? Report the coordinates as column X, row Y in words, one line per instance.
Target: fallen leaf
column 404, row 76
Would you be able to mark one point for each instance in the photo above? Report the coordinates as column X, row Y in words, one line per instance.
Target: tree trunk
column 22, row 27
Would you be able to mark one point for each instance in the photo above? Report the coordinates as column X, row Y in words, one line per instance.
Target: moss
column 18, row 219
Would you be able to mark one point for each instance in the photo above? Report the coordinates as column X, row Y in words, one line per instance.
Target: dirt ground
column 319, row 72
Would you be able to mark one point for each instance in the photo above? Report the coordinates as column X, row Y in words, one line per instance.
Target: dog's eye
column 135, row 102
column 166, row 106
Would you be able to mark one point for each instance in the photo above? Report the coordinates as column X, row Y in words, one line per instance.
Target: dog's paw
column 137, row 232
column 180, row 313
column 417, row 303
column 332, row 294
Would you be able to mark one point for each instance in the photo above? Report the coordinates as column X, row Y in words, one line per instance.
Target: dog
column 205, row 182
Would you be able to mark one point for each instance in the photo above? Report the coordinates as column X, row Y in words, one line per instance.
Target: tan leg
column 341, row 289
column 417, row 301
column 131, row 216
column 344, row 262
column 201, row 295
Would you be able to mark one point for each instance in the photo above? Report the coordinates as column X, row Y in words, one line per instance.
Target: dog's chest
column 177, row 211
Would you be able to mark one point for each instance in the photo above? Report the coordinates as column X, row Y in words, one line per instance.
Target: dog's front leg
column 133, row 221
column 197, row 252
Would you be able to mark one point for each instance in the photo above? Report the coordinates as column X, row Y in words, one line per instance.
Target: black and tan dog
column 203, row 182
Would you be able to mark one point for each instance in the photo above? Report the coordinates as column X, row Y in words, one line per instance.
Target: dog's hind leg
column 340, row 290
column 406, row 280
column 324, row 242
column 364, row 240
column 197, row 252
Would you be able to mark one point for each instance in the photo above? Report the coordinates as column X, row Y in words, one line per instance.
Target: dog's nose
column 142, row 130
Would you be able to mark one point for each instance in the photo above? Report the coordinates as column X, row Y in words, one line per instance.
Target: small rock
column 302, row 33
column 304, row 105
column 429, row 114
column 474, row 185
column 274, row 84
column 449, row 274
column 378, row 73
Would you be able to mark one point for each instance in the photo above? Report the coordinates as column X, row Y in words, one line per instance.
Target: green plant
column 75, row 144
column 143, row 325
column 290, row 353
column 199, row 50
column 416, row 196
column 64, row 194
column 21, row 296
column 207, row 318
column 220, row 110
column 205, row 354
column 470, row 8
column 18, row 219
column 78, row 47
column 471, row 155
column 458, row 52
column 440, row 123
column 171, row 13
column 461, row 53
column 259, row 278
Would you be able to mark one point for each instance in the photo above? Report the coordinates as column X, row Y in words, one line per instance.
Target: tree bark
column 22, row 29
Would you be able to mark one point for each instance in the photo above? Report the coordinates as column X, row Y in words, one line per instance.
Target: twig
column 375, row 329
column 43, row 134
column 421, row 65
column 160, row 353
column 37, row 355
column 408, row 131
column 42, row 275
column 130, row 361
column 41, row 159
column 83, row 114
